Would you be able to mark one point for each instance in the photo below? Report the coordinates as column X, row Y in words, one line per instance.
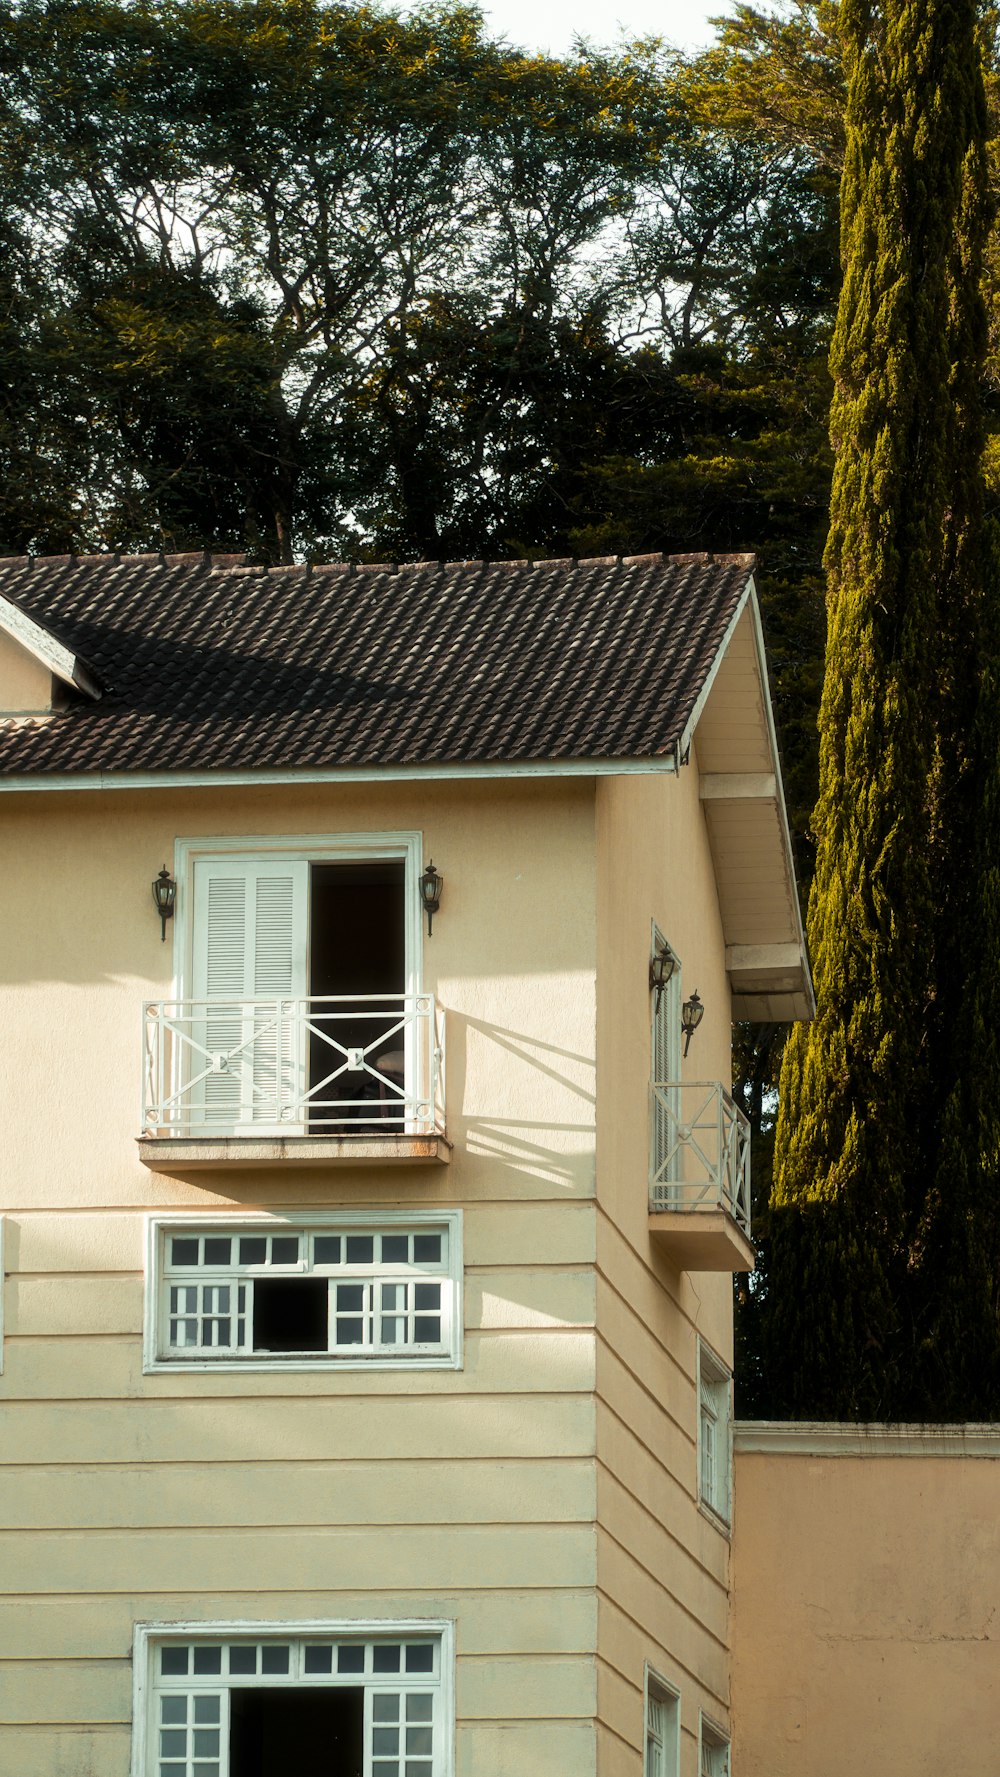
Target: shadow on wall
column 521, row 1103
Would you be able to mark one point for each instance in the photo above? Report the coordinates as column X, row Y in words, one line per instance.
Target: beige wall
column 545, row 1495
column 219, row 1496
column 25, row 684
column 662, row 1565
column 866, row 1622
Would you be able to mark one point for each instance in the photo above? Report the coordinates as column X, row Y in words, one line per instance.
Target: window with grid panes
column 340, row 1292
column 714, row 1752
column 229, row 1707
column 662, row 1729
column 714, row 1442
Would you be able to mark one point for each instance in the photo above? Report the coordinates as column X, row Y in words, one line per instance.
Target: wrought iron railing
column 699, row 1149
column 344, row 1065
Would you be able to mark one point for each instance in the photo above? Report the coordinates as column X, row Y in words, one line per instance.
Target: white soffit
column 740, row 785
column 49, row 652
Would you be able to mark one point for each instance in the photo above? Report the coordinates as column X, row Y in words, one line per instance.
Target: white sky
column 550, row 25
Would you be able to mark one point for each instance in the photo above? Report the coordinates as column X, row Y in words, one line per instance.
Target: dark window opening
column 289, row 1314
column 296, row 1733
column 357, row 949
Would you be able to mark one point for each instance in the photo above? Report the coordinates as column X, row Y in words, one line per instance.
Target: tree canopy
column 885, row 1166
column 338, row 281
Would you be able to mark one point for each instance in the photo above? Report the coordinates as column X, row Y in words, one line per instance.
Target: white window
column 714, row 1434
column 300, row 1008
column 713, row 1750
column 302, row 1291
column 663, row 1725
column 236, row 1701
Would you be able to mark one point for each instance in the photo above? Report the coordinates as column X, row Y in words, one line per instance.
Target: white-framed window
column 351, row 1289
column 713, row 1750
column 662, row 1743
column 297, row 1003
column 228, row 1700
column 715, row 1388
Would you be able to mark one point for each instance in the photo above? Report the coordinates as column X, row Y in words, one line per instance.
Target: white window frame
column 309, row 848
column 160, row 1226
column 715, row 1403
column 713, row 1748
column 148, row 1637
column 658, row 1690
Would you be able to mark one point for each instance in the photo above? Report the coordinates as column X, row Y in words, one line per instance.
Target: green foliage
column 244, row 217
column 885, row 1167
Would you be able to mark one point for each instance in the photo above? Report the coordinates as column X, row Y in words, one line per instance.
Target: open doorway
column 357, row 951
column 296, row 1732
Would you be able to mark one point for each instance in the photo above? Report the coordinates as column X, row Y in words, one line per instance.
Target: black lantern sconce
column 164, row 897
column 431, row 884
column 662, row 965
column 692, row 1013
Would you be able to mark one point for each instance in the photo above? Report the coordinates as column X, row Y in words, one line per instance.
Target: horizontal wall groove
column 673, row 1664
column 672, row 1535
column 646, row 1330
column 631, row 1746
column 297, row 1527
column 684, row 1609
column 223, row 1209
column 605, row 1345
column 670, row 1664
column 453, row 1589
column 641, row 1259
column 171, row 1396
column 652, row 1454
column 209, row 1464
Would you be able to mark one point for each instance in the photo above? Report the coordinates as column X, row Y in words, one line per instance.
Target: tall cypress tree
column 886, row 1143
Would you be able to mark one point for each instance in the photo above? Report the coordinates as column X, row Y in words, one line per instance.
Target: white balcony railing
column 317, row 1066
column 700, row 1150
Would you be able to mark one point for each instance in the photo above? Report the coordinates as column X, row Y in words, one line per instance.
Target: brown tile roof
column 208, row 664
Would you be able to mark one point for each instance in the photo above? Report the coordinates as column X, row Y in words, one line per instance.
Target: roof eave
column 766, row 954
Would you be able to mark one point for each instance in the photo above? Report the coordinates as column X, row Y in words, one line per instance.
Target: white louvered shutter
column 250, row 928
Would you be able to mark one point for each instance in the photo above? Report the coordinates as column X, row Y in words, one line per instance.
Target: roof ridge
column 219, row 561
column 116, row 558
column 711, row 557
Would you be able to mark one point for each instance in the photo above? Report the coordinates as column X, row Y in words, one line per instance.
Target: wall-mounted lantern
column 692, row 1013
column 662, row 965
column 431, row 884
column 164, row 898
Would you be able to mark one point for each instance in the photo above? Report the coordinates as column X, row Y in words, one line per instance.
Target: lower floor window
column 713, row 1759
column 273, row 1705
column 300, row 1290
column 663, row 1728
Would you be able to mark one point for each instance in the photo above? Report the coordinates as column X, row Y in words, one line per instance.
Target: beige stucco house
column 369, row 1214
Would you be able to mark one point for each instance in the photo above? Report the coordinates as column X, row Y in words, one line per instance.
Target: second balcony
column 699, row 1181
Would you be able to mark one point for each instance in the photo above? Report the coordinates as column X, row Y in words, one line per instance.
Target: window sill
column 717, row 1521
column 183, row 1154
column 329, row 1366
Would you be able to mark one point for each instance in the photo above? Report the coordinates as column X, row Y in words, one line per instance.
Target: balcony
column 300, row 1082
column 699, row 1184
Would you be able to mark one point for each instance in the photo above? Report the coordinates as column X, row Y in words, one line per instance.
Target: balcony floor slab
column 183, row 1154
column 702, row 1240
